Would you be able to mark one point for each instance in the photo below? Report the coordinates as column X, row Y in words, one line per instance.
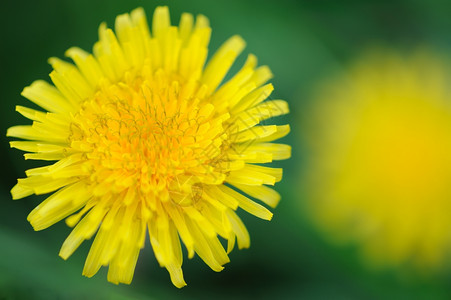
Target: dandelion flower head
column 381, row 164
column 149, row 141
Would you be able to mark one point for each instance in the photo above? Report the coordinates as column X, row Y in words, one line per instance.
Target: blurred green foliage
column 302, row 42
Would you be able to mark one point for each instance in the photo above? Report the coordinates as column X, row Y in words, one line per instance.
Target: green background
column 302, row 42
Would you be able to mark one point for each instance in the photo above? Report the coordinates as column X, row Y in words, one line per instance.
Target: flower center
column 406, row 149
column 151, row 132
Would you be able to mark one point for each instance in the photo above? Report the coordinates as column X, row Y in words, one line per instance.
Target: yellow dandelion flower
column 382, row 173
column 147, row 139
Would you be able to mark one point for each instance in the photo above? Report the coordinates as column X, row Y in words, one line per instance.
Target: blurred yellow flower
column 381, row 162
column 148, row 140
